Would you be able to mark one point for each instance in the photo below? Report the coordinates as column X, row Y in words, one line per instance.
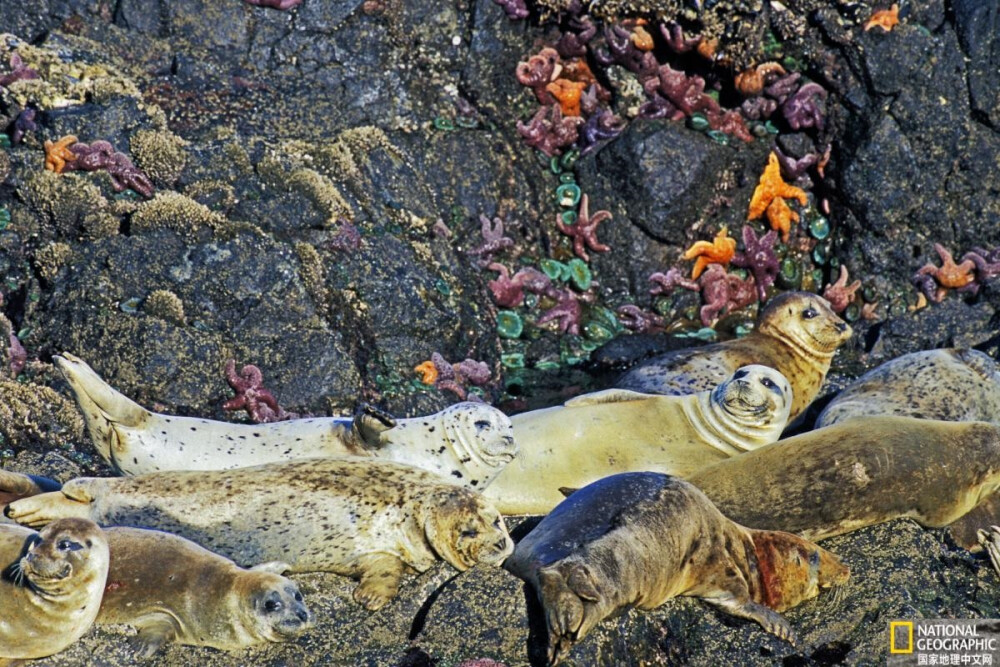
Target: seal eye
column 809, row 313
column 68, row 545
column 470, row 533
column 298, row 596
column 272, row 606
column 481, row 424
column 769, row 383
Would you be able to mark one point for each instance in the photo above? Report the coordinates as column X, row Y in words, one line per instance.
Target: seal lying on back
column 466, row 443
column 599, row 434
column 797, row 333
column 171, row 589
column 363, row 518
column 859, row 473
column 639, row 539
column 51, row 586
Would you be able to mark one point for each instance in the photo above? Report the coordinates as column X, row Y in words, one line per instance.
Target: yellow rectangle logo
column 901, row 637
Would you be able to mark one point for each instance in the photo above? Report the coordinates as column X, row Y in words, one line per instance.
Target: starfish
column 724, row 292
column 840, row 294
column 493, row 239
column 759, row 258
column 769, row 197
column 508, row 292
column 567, row 93
column 567, row 312
column 24, row 123
column 584, row 230
column 251, row 395
column 868, row 311
column 428, row 372
column 987, row 262
column 666, row 283
column 751, row 82
column 947, row 275
column 719, row 251
column 887, row 19
column 636, row 319
column 276, row 4
column 16, row 354
column 57, row 154
column 453, row 377
column 538, row 72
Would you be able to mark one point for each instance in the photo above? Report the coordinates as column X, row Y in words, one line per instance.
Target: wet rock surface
column 320, row 174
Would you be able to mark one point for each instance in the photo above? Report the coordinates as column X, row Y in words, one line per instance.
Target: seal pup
column 613, row 431
column 467, row 443
column 858, row 473
column 171, row 589
column 639, row 539
column 364, row 518
column 797, row 333
column 51, row 586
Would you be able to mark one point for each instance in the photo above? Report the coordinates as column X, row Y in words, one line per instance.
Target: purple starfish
column 549, row 131
column 600, row 126
column 18, row 72
column 251, row 395
column 674, row 36
column 17, row 354
column 795, row 168
column 802, row 109
column 453, row 377
column 515, row 9
column 493, row 239
column 102, row 155
column 666, row 283
column 573, row 43
column 567, row 313
column 584, row 230
column 636, row 319
column 276, row 4
column 24, row 123
column 723, row 292
column 508, row 292
column 987, row 262
column 759, row 258
column 538, row 71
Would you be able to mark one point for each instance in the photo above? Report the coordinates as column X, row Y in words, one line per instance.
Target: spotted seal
column 595, row 435
column 171, row 589
column 51, row 585
column 797, row 333
column 364, row 518
column 466, row 443
column 639, row 539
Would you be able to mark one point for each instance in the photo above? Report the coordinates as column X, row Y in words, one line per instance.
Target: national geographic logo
column 944, row 642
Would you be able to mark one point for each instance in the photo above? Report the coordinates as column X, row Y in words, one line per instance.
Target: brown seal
column 639, row 539
column 171, row 589
column 51, row 586
column 859, row 473
column 797, row 334
column 364, row 518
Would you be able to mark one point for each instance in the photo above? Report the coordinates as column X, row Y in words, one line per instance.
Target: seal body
column 364, row 518
column 859, row 473
column 171, row 589
column 595, row 435
column 466, row 443
column 51, row 586
column 639, row 539
column 797, row 334
column 951, row 384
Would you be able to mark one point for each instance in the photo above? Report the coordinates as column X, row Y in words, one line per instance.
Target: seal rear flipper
column 606, row 396
column 155, row 630
column 990, row 541
column 769, row 619
column 564, row 612
column 965, row 530
column 370, row 423
column 100, row 403
column 36, row 511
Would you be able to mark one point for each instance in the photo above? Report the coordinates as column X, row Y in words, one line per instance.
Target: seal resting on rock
column 859, row 473
column 51, row 586
column 171, row 589
column 612, row 431
column 466, row 443
column 797, row 333
column 639, row 539
column 364, row 518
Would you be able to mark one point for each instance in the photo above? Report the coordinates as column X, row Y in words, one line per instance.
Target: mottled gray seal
column 639, row 539
column 467, row 443
column 797, row 334
column 363, row 518
column 613, row 431
column 51, row 586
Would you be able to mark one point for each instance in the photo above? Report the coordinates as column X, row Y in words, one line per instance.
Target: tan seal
column 363, row 518
column 51, row 586
column 639, row 539
column 797, row 333
column 467, row 443
column 613, row 431
column 171, row 589
column 859, row 473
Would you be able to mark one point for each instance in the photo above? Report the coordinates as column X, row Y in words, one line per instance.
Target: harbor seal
column 364, row 518
column 613, row 431
column 859, row 473
column 639, row 539
column 466, row 443
column 797, row 333
column 171, row 589
column 51, row 586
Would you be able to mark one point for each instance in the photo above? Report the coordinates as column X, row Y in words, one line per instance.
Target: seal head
column 748, row 410
column 277, row 611
column 463, row 529
column 793, row 570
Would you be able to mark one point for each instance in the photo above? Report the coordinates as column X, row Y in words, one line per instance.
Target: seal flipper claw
column 155, row 630
column 380, row 577
column 769, row 619
column 369, row 424
column 990, row 541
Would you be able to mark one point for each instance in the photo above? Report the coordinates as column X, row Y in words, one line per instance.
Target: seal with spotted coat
column 364, row 518
column 613, row 431
column 639, row 539
column 797, row 334
column 466, row 443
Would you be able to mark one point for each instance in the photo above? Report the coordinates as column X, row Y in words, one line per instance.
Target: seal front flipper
column 155, row 630
column 370, row 423
column 606, row 396
column 380, row 577
column 990, row 541
column 769, row 619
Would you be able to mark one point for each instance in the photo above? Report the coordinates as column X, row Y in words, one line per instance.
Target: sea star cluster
column 68, row 154
column 252, row 396
column 977, row 266
column 454, row 377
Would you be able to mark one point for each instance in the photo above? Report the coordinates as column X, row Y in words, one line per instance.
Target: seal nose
column 303, row 615
column 742, row 373
column 842, row 327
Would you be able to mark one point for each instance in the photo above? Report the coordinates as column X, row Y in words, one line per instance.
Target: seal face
column 951, row 384
column 364, row 518
column 594, row 435
column 51, row 586
column 171, row 589
column 639, row 539
column 467, row 443
column 797, row 334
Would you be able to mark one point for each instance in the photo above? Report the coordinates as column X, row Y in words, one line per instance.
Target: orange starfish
column 886, row 19
column 567, row 93
column 719, row 251
column 750, row 82
column 769, row 198
column 428, row 372
column 58, row 154
column 641, row 39
column 840, row 294
column 949, row 274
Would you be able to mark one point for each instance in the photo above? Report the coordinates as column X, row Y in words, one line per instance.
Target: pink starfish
column 453, row 377
column 759, row 258
column 493, row 239
column 509, row 292
column 251, row 395
column 636, row 319
column 584, row 230
column 666, row 283
column 840, row 294
column 276, row 4
column 567, row 312
column 724, row 292
column 18, row 355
